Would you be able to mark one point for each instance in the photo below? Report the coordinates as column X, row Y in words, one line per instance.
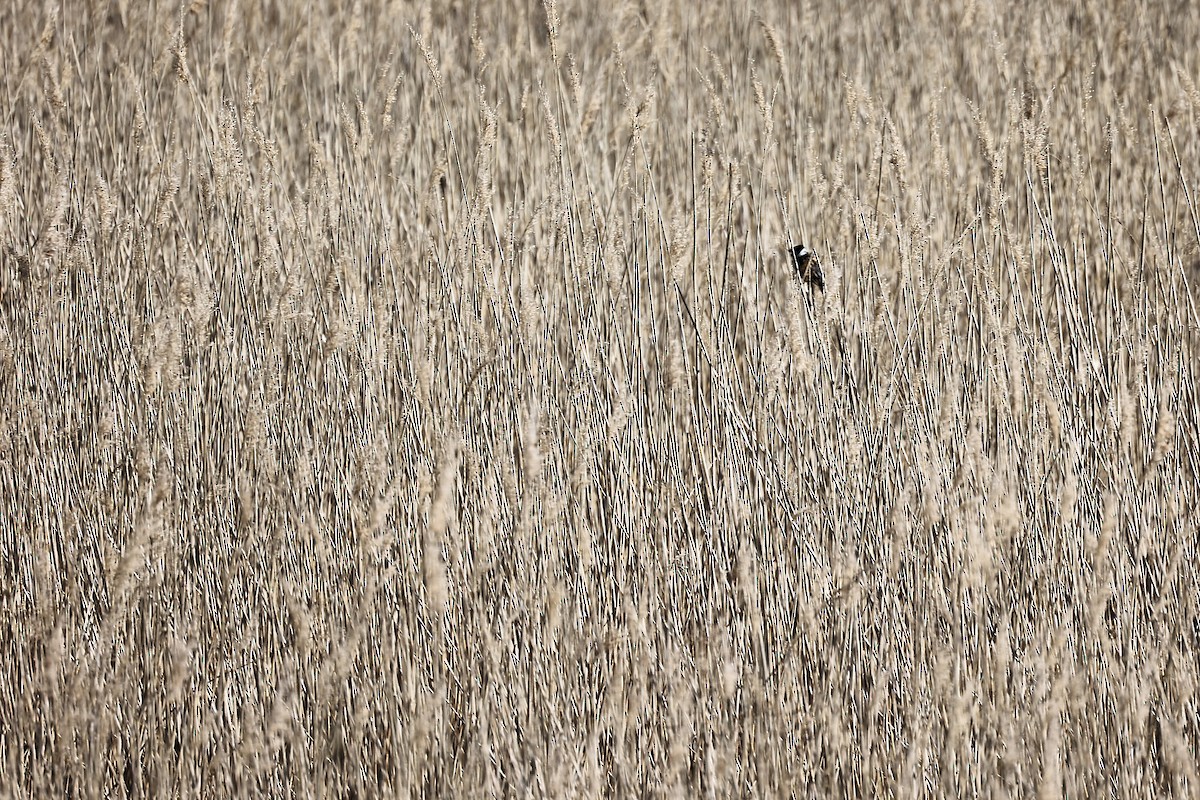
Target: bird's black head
column 808, row 267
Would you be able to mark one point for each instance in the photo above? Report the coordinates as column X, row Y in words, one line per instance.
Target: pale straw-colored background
column 414, row 400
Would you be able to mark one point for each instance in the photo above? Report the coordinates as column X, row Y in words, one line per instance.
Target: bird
column 808, row 267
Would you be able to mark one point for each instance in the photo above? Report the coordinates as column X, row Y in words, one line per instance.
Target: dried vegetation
column 416, row 399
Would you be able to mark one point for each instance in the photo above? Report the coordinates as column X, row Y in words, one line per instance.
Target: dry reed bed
column 414, row 399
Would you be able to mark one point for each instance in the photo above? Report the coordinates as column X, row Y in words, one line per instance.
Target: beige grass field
column 417, row 401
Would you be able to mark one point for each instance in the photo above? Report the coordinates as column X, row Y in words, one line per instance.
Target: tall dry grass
column 414, row 399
